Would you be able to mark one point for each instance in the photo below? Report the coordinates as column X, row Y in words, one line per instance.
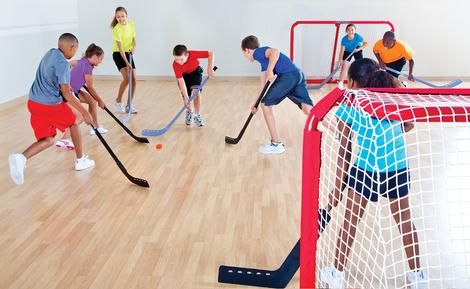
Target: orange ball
column 159, row 146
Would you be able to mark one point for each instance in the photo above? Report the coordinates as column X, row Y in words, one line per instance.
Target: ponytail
column 93, row 49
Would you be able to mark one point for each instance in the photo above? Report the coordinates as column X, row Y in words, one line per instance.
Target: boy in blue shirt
column 290, row 83
column 49, row 112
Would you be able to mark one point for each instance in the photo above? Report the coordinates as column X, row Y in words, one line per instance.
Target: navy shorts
column 357, row 55
column 397, row 65
column 290, row 84
column 193, row 79
column 391, row 185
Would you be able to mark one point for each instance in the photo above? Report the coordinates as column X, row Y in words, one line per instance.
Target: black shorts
column 357, row 55
column 397, row 65
column 120, row 63
column 193, row 79
column 391, row 185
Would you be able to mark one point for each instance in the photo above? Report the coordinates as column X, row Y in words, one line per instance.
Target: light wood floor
column 209, row 203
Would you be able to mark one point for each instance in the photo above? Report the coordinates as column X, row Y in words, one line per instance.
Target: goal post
column 336, row 27
column 436, row 150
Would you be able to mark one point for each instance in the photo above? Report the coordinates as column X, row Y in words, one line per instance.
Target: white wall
column 435, row 29
column 27, row 30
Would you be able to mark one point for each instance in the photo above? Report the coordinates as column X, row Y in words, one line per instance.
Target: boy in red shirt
column 189, row 76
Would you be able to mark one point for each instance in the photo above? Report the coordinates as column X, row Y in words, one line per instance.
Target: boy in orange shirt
column 394, row 53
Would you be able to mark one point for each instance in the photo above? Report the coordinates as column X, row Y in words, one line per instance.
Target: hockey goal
column 314, row 44
column 435, row 153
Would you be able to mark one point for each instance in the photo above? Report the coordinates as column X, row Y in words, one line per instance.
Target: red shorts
column 47, row 119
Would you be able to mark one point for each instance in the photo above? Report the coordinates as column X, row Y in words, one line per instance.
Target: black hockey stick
column 278, row 278
column 140, row 139
column 231, row 140
column 137, row 181
column 137, row 138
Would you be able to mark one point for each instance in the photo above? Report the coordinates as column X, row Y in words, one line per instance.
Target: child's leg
column 344, row 71
column 270, row 122
column 197, row 101
column 134, row 82
column 306, row 108
column 38, row 147
column 85, row 97
column 125, row 81
column 77, row 140
column 355, row 206
column 401, row 213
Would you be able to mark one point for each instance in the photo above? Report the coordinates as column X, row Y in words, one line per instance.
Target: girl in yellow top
column 123, row 46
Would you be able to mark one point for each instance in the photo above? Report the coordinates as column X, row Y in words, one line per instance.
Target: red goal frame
column 337, row 24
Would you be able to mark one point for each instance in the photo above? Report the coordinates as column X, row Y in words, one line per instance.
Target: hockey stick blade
column 231, row 140
column 137, row 138
column 451, row 84
column 159, row 132
column 134, row 180
column 278, row 278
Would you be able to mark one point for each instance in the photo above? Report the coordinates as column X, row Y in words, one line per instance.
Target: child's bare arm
column 67, row 93
column 273, row 56
column 184, row 92
column 210, row 63
column 379, row 59
column 92, row 91
column 123, row 54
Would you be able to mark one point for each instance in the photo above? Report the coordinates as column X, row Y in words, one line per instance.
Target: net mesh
column 412, row 153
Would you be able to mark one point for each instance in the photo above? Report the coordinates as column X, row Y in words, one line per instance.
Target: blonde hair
column 114, row 22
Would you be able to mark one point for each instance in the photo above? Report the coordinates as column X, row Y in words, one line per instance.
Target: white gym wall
column 435, row 29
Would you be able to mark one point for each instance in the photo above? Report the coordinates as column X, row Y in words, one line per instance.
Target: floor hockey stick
column 329, row 77
column 134, row 180
column 231, row 140
column 278, row 278
column 158, row 132
column 137, row 138
column 453, row 83
column 129, row 94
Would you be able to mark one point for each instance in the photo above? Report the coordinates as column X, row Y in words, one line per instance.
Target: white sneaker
column 17, row 164
column 272, row 148
column 189, row 117
column 84, row 163
column 198, row 120
column 65, row 143
column 101, row 130
column 340, row 85
column 415, row 279
column 120, row 107
column 332, row 277
column 133, row 109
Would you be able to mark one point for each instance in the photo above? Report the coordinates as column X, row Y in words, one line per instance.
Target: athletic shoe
column 120, row 107
column 65, row 143
column 17, row 164
column 415, row 279
column 84, row 163
column 198, row 120
column 340, row 85
column 101, row 130
column 272, row 148
column 133, row 109
column 189, row 117
column 405, row 83
column 332, row 277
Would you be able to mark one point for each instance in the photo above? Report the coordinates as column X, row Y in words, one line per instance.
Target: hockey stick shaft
column 231, row 140
column 450, row 84
column 137, row 181
column 129, row 92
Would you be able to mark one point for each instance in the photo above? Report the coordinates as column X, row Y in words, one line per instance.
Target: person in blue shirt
column 288, row 81
column 380, row 169
column 351, row 43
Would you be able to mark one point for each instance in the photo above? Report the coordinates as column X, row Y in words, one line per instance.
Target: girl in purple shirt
column 81, row 81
